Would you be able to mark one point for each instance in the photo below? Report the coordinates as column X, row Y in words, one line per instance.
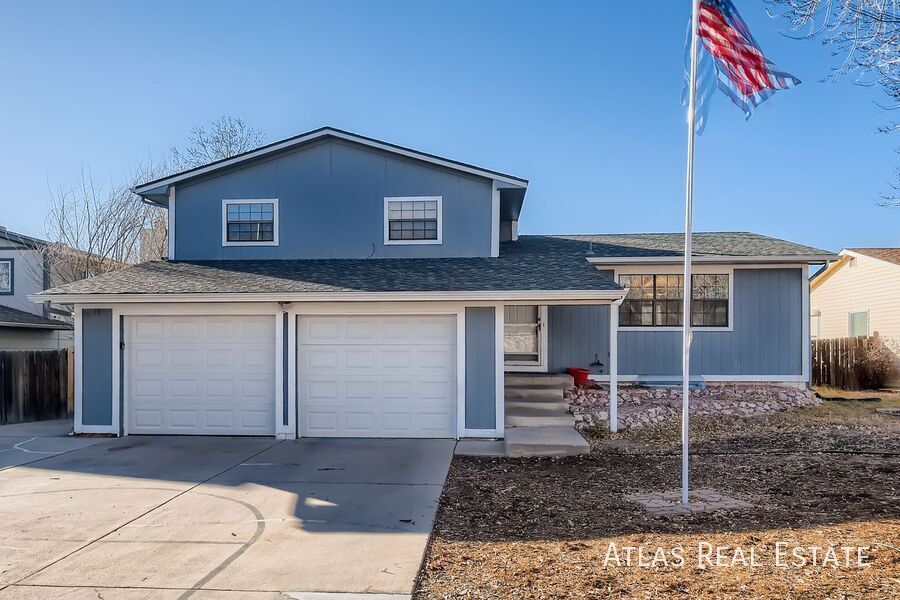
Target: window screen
column 250, row 222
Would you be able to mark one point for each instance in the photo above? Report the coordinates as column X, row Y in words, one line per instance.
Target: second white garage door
column 200, row 375
column 377, row 376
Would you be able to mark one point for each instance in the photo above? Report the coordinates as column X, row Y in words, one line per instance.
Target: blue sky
column 582, row 98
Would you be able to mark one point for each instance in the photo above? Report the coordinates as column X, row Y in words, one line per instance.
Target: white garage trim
column 378, row 375
column 242, row 416
column 293, row 310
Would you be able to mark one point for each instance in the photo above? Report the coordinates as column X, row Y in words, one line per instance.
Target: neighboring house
column 859, row 295
column 336, row 285
column 25, row 270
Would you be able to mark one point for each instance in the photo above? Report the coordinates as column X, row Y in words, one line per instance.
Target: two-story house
column 26, row 270
column 331, row 284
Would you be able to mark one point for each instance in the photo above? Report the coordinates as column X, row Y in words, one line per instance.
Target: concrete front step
column 559, row 380
column 545, row 441
column 532, row 393
column 538, row 417
column 531, row 403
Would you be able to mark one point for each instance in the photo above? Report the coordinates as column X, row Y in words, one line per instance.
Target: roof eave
column 537, row 296
column 148, row 188
column 813, row 259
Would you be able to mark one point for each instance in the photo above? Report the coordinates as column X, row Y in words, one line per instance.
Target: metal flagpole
column 688, row 220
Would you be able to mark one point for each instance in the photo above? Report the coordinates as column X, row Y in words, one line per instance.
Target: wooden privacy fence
column 835, row 360
column 35, row 385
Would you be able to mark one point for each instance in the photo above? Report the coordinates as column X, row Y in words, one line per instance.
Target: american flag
column 733, row 62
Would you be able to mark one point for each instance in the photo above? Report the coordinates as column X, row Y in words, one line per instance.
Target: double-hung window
column 250, row 222
column 412, row 220
column 657, row 300
column 6, row 276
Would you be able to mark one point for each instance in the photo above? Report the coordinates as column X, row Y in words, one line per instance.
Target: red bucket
column 579, row 375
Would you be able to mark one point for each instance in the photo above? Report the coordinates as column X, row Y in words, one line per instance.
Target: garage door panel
column 201, row 375
column 377, row 376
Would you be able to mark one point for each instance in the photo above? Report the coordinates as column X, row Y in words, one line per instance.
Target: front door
column 523, row 337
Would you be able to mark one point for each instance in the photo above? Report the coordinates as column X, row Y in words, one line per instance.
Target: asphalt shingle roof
column 533, row 263
column 12, row 317
column 891, row 255
column 726, row 243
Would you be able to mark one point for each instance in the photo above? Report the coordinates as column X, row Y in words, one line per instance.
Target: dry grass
column 520, row 528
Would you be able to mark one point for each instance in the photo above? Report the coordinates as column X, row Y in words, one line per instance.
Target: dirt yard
column 818, row 478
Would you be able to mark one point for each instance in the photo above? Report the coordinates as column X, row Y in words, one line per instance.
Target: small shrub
column 875, row 365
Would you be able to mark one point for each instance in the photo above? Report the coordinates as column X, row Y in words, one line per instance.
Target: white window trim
column 12, row 276
column 275, row 222
column 679, row 270
column 440, row 220
column 850, row 321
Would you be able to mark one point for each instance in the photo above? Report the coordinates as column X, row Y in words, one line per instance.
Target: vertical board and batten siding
column 96, row 366
column 481, row 371
column 766, row 337
column 331, row 205
column 578, row 335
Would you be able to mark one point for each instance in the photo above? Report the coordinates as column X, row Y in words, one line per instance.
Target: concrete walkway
column 25, row 443
column 201, row 517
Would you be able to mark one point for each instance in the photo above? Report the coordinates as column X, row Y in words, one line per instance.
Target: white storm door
column 377, row 376
column 200, row 375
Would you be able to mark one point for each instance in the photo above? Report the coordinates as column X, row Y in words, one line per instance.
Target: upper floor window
column 250, row 222
column 412, row 220
column 657, row 300
column 6, row 276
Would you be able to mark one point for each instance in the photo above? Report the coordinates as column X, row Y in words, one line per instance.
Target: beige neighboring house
column 859, row 295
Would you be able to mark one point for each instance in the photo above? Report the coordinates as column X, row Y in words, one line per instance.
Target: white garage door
column 377, row 376
column 200, row 375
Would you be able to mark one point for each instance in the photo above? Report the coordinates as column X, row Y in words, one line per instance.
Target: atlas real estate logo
column 707, row 555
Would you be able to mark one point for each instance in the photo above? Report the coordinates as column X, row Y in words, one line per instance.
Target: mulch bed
column 542, row 528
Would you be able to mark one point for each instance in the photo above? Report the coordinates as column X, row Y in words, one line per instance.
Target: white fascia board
column 328, row 132
column 536, row 296
column 792, row 259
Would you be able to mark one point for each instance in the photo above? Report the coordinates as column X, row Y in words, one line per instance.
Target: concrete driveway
column 208, row 518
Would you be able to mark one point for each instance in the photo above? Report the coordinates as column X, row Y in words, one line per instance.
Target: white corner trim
column 440, row 220
column 118, row 363
column 614, row 367
column 79, row 380
column 499, row 372
column 170, row 233
column 280, row 428
column 495, row 220
column 514, row 230
column 805, row 358
column 460, row 372
column 275, row 221
column 292, row 374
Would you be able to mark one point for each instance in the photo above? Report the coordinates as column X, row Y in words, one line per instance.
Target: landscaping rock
column 640, row 406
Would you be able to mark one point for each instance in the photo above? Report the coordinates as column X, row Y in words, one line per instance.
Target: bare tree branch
column 867, row 34
column 227, row 137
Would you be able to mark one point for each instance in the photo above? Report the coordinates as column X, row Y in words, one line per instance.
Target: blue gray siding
column 578, row 335
column 331, row 205
column 766, row 339
column 96, row 366
column 481, row 371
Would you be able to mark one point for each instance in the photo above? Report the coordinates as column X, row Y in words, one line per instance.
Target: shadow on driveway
column 179, row 514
